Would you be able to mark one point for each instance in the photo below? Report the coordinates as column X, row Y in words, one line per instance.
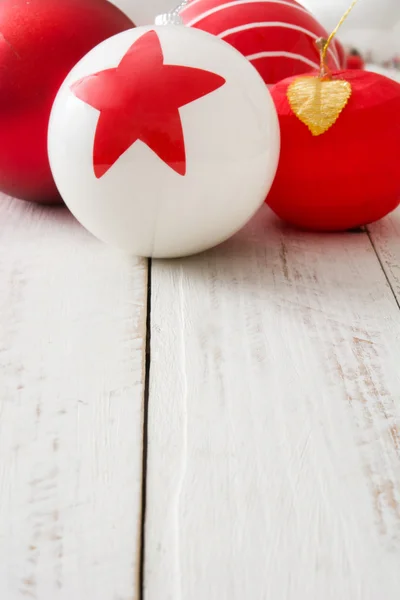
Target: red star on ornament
column 140, row 100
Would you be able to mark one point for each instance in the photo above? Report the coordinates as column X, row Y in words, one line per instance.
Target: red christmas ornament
column 354, row 61
column 40, row 42
column 347, row 176
column 277, row 36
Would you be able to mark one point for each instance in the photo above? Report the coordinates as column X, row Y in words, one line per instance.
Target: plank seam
column 383, row 267
column 145, row 434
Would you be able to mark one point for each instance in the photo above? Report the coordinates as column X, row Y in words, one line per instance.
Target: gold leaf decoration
column 318, row 102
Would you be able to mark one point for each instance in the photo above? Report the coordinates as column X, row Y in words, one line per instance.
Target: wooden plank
column 273, row 458
column 72, row 347
column 385, row 237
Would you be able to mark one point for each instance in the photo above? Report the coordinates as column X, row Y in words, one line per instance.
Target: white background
column 373, row 24
column 142, row 12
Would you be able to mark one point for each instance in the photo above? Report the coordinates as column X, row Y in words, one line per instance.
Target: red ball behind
column 40, row 42
column 277, row 36
column 348, row 176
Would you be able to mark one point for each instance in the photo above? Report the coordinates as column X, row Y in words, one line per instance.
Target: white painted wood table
column 223, row 427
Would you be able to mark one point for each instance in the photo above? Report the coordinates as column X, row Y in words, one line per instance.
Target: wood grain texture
column 385, row 237
column 72, row 346
column 274, row 448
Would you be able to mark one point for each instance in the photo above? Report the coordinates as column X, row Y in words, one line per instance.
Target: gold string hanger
column 323, row 44
column 318, row 101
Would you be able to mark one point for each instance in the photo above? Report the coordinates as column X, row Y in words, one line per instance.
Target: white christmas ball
column 163, row 141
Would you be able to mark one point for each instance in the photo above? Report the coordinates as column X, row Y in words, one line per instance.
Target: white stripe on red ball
column 277, row 36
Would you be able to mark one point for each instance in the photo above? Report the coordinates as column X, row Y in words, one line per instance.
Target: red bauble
column 40, row 42
column 354, row 61
column 349, row 175
column 277, row 36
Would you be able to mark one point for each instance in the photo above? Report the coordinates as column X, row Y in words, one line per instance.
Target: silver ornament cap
column 168, row 19
column 173, row 17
